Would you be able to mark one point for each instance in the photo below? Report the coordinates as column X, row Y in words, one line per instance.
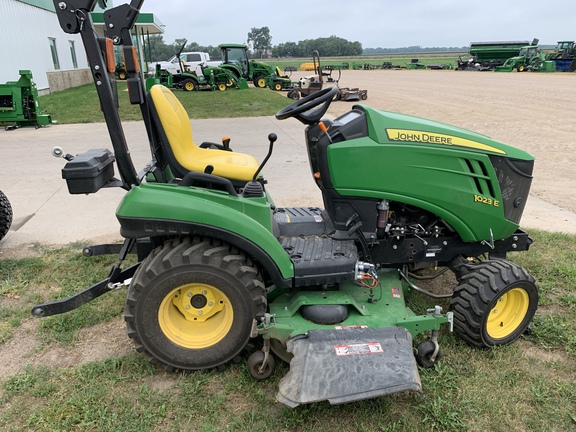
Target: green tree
column 260, row 39
column 157, row 49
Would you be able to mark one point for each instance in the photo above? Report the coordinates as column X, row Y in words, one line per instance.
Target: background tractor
column 526, row 56
column 222, row 272
column 203, row 77
column 564, row 56
column 235, row 59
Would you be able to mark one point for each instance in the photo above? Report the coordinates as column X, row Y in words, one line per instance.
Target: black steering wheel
column 301, row 109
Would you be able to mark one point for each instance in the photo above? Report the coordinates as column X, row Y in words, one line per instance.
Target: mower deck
column 349, row 364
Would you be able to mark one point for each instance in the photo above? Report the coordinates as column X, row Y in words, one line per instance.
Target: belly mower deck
column 350, row 343
column 349, row 364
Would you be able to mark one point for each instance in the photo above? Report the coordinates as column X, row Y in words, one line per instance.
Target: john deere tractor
column 235, row 59
column 224, row 274
column 205, row 77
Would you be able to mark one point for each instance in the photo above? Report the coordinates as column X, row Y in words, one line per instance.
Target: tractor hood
column 387, row 127
column 479, row 186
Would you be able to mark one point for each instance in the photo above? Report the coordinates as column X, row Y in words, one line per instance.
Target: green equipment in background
column 19, row 103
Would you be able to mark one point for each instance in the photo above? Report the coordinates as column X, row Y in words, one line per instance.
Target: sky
column 373, row 23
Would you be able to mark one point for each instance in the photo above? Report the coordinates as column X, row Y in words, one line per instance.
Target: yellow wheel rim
column 508, row 313
column 261, row 83
column 222, row 87
column 195, row 316
column 277, row 87
column 189, row 86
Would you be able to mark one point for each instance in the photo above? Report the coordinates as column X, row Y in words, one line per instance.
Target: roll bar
column 74, row 17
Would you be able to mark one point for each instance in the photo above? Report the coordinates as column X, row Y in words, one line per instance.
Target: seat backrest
column 177, row 146
column 174, row 128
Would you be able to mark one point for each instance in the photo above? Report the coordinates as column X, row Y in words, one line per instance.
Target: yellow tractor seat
column 184, row 155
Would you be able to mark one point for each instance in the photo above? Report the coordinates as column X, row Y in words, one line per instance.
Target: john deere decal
column 407, row 135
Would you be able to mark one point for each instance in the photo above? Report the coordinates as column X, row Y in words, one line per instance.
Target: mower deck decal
column 358, row 349
column 407, row 135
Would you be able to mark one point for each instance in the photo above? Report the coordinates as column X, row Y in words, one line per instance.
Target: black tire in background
column 5, row 215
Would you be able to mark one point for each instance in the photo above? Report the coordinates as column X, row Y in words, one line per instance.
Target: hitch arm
column 83, row 297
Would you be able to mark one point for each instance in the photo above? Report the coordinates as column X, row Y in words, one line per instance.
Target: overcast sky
column 374, row 23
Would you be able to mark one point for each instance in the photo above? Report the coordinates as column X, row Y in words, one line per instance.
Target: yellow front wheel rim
column 195, row 316
column 508, row 313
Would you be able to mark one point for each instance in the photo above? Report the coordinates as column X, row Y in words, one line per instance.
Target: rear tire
column 189, row 85
column 5, row 215
column 192, row 302
column 260, row 82
column 494, row 304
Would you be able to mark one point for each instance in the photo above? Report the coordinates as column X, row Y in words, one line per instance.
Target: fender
column 154, row 209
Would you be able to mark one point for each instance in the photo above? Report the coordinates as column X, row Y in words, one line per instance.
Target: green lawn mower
column 223, row 274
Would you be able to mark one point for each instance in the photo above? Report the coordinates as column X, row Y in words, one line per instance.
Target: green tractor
column 208, row 78
column 563, row 56
column 529, row 55
column 235, row 59
column 223, row 272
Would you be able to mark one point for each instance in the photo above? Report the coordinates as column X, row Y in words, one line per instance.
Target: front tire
column 494, row 303
column 192, row 302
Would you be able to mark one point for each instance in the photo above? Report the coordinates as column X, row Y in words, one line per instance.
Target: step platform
column 349, row 364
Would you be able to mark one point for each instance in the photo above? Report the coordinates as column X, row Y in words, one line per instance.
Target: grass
column 528, row 386
column 81, row 104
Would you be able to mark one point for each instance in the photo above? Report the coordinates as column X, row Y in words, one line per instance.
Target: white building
column 31, row 39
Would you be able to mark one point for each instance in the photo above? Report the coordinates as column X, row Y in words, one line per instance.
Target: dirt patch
column 95, row 343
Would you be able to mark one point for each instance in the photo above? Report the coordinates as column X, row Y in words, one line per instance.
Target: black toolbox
column 89, row 171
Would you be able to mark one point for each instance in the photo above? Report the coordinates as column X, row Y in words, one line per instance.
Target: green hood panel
column 388, row 127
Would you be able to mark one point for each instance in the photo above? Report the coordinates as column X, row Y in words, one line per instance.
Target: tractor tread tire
column 475, row 297
column 214, row 255
column 5, row 215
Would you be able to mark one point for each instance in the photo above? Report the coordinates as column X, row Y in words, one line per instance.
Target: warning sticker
column 362, row 326
column 358, row 349
column 396, row 292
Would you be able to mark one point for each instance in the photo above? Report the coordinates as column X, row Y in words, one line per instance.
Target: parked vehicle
column 191, row 61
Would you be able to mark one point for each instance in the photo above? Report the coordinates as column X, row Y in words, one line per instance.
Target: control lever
column 272, row 137
column 226, row 143
column 59, row 152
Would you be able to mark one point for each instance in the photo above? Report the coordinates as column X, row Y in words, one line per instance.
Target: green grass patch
column 81, row 104
column 528, row 386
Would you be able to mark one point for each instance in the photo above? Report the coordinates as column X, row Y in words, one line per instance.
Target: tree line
column 260, row 42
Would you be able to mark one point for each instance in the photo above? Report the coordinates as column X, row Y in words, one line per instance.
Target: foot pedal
column 348, row 365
